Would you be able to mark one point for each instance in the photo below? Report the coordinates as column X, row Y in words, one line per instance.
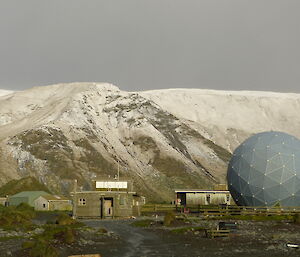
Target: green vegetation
column 296, row 218
column 161, row 208
column 17, row 218
column 7, row 238
column 102, row 231
column 253, row 217
column 143, row 223
column 62, row 232
column 64, row 219
column 221, row 152
column 174, row 169
column 50, row 145
column 39, row 248
column 146, row 143
column 169, row 219
column 94, row 160
column 23, row 184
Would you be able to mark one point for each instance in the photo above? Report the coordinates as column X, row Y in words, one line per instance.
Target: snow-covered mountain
column 162, row 139
column 5, row 92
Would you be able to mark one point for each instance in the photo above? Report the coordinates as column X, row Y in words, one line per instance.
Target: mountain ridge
column 162, row 140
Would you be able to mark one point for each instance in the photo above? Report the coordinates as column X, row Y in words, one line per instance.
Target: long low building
column 41, row 201
column 52, row 203
column 203, row 197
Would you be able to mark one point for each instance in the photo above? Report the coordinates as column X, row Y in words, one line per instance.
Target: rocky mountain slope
column 162, row 139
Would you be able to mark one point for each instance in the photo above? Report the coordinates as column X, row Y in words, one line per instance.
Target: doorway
column 106, row 210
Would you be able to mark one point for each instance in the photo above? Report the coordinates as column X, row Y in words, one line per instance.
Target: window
column 122, row 200
column 227, row 198
column 81, row 201
column 44, row 205
column 208, row 199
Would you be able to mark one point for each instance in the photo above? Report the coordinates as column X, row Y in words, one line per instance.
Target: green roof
column 25, row 197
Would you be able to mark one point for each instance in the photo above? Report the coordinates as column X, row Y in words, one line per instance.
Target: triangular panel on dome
column 274, row 163
column 248, row 201
column 256, row 178
column 257, row 202
column 297, row 162
column 278, row 138
column 271, row 153
column 291, row 201
column 259, row 163
column 259, row 194
column 297, row 192
column 276, row 175
column 244, row 170
column 242, row 184
column 287, row 175
column 251, row 141
column 247, row 157
column 269, row 182
column 297, row 182
column 284, row 193
column 288, row 159
column 273, row 192
column 246, row 191
column 234, row 182
column 290, row 185
column 235, row 164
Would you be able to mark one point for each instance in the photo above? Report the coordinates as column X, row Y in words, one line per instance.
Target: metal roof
column 30, row 196
column 54, row 198
column 201, row 191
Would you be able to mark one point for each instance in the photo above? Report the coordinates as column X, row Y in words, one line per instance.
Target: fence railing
column 220, row 210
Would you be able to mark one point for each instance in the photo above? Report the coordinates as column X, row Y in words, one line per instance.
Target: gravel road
column 140, row 242
column 135, row 241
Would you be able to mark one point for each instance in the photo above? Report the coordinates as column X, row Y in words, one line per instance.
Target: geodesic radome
column 265, row 171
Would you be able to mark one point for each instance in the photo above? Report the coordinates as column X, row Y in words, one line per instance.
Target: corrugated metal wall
column 208, row 198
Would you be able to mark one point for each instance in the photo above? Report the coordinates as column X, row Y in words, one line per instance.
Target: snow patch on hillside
column 4, row 92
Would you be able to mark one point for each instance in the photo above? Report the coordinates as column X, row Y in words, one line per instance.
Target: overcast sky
column 150, row 44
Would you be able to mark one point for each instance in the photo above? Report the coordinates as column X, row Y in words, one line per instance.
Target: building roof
column 30, row 195
column 54, row 198
column 201, row 191
column 105, row 192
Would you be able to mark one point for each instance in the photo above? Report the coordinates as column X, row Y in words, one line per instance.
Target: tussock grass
column 16, row 218
column 169, row 219
column 142, row 223
column 296, row 219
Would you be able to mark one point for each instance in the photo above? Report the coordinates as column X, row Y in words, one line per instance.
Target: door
column 108, row 208
column 181, row 199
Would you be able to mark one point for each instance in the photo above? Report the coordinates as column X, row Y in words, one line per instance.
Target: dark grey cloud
column 142, row 44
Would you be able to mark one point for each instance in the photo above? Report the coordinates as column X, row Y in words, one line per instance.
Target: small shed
column 52, row 203
column 25, row 197
column 203, row 197
column 3, row 201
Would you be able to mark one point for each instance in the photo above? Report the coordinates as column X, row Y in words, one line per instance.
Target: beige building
column 52, row 203
column 110, row 199
column 4, row 201
column 203, row 197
